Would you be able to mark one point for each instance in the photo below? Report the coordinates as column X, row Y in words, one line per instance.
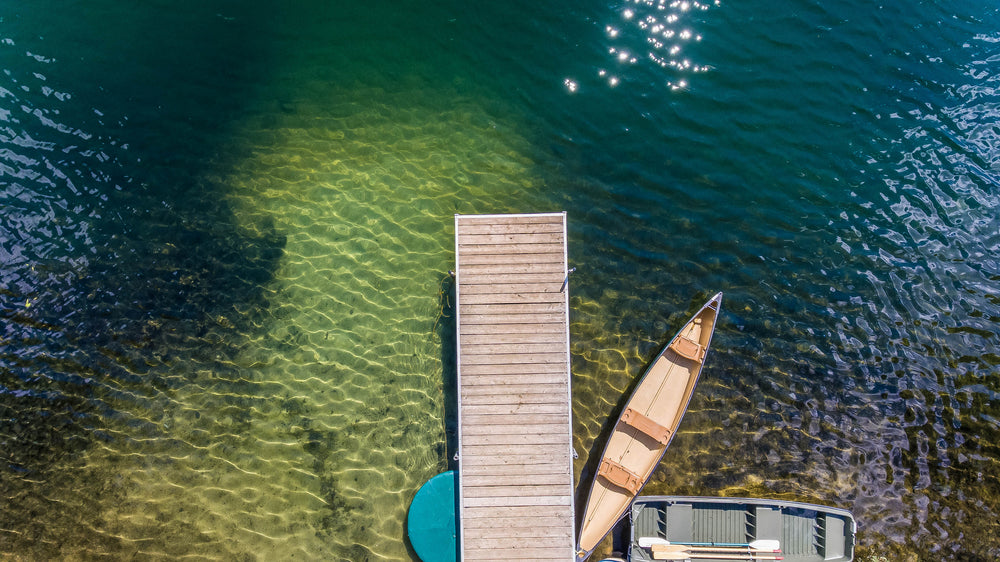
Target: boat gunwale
column 730, row 500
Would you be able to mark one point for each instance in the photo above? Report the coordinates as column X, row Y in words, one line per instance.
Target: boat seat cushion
column 620, row 476
column 678, row 525
column 646, row 425
column 833, row 538
column 768, row 522
column 688, row 349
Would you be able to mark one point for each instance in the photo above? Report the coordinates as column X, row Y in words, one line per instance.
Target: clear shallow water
column 226, row 232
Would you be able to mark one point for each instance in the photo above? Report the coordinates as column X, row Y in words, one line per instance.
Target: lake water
column 226, row 230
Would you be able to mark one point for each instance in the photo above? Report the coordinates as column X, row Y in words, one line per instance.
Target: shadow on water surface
column 108, row 345
column 122, row 267
column 446, row 331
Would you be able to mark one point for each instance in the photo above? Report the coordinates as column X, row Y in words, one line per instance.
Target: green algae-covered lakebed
column 226, row 231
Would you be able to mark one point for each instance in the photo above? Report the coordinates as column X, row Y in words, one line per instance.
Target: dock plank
column 510, row 380
column 547, row 280
column 466, row 239
column 493, row 439
column 524, row 257
column 507, row 288
column 508, row 348
column 512, row 501
column 494, row 318
column 497, row 311
column 517, row 409
column 512, row 449
column 512, row 358
column 513, row 479
column 536, row 528
column 477, row 396
column 534, row 218
column 506, row 337
column 515, row 426
column 545, row 511
column 512, row 228
column 512, row 268
column 473, row 249
column 512, row 328
column 552, row 296
column 513, row 490
column 513, row 369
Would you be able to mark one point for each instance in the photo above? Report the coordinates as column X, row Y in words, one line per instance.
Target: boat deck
column 514, row 410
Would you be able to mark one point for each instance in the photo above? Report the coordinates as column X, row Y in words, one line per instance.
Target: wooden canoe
column 646, row 426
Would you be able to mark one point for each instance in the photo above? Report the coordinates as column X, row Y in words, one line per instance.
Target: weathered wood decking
column 514, row 416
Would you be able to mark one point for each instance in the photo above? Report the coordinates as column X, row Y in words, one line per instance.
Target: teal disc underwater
column 430, row 523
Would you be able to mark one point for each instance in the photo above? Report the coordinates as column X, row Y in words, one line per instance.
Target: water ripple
column 222, row 336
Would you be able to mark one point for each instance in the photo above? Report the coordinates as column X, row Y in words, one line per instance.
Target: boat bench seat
column 620, row 476
column 767, row 523
column 688, row 349
column 833, row 537
column 646, row 425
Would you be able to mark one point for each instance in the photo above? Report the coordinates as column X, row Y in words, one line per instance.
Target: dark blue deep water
column 225, row 229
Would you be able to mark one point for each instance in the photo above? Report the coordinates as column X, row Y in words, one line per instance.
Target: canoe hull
column 646, row 426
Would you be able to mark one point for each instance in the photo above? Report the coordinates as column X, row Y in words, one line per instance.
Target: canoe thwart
column 646, row 425
column 620, row 476
column 688, row 349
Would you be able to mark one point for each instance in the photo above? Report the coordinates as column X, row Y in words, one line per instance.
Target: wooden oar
column 761, row 544
column 661, row 555
column 733, row 549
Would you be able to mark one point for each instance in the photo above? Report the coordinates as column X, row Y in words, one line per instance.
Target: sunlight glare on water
column 655, row 32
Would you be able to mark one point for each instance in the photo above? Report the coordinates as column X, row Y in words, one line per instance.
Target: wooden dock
column 514, row 405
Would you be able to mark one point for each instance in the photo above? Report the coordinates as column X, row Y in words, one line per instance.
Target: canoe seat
column 620, row 476
column 646, row 425
column 688, row 348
